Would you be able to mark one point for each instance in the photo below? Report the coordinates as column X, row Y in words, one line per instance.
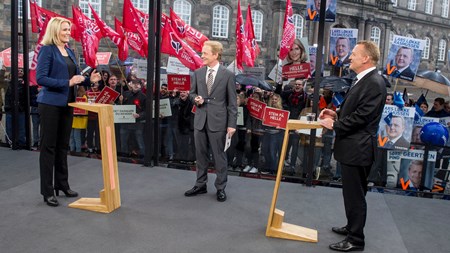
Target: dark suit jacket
column 52, row 74
column 220, row 111
column 401, row 143
column 358, row 119
column 407, row 74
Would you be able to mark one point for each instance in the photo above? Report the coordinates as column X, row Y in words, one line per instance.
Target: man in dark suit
column 214, row 93
column 356, row 126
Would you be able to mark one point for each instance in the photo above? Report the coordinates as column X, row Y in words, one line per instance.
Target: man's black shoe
column 221, row 196
column 341, row 231
column 196, row 190
column 346, row 246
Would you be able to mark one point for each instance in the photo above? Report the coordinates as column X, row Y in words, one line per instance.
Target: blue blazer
column 52, row 74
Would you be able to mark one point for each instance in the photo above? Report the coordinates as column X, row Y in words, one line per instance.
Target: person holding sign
column 214, row 93
column 356, row 126
column 58, row 74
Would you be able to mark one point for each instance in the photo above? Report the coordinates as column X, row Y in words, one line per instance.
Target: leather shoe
column 69, row 193
column 341, row 231
column 221, row 196
column 51, row 200
column 196, row 190
column 346, row 246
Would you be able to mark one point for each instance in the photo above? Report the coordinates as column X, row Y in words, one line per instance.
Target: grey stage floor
column 156, row 217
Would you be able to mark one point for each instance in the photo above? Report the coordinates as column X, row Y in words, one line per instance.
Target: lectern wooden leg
column 275, row 225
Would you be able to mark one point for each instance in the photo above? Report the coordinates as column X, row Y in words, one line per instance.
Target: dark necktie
column 210, row 81
column 353, row 83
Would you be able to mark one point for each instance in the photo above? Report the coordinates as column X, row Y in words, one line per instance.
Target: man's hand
column 328, row 114
column 199, row 100
column 231, row 131
column 327, row 123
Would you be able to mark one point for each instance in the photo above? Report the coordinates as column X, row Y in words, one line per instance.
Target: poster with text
column 395, row 127
column 342, row 42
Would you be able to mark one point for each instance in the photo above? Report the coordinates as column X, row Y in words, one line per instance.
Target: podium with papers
column 275, row 225
column 110, row 195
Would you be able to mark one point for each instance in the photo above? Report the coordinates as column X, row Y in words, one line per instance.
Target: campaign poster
column 313, row 60
column 124, row 113
column 256, row 108
column 179, row 82
column 417, row 127
column 313, row 10
column 395, row 128
column 404, row 57
column 107, row 96
column 275, row 117
column 342, row 42
column 405, row 169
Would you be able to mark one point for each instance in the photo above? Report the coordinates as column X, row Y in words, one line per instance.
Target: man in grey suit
column 214, row 93
column 356, row 126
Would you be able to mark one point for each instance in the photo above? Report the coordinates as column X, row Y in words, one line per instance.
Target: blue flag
column 421, row 99
column 418, row 114
column 388, row 119
column 398, row 100
column 337, row 99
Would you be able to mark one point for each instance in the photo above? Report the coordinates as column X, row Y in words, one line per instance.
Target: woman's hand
column 95, row 76
column 76, row 79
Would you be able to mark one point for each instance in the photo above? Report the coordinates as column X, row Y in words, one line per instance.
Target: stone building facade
column 375, row 19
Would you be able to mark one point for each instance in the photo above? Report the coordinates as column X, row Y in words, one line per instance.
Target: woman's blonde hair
column 278, row 104
column 51, row 36
column 303, row 56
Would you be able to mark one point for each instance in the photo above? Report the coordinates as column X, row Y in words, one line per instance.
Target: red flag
column 242, row 52
column 40, row 17
column 288, row 37
column 136, row 21
column 250, row 34
column 105, row 29
column 171, row 44
column 194, row 38
column 123, row 44
column 132, row 39
column 90, row 36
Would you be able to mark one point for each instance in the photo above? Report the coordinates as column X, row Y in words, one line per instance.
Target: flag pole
column 117, row 63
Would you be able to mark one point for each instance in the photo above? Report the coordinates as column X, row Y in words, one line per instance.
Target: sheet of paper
column 227, row 142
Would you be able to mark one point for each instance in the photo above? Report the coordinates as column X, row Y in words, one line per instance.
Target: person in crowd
column 3, row 88
column 438, row 110
column 235, row 154
column 256, row 134
column 389, row 99
column 294, row 101
column 424, row 107
column 273, row 139
column 58, row 74
column 326, row 102
column 93, row 131
column 167, row 125
column 34, row 112
column 394, row 132
column 136, row 97
column 214, row 93
column 79, row 123
column 104, row 82
column 356, row 126
column 185, row 127
column 115, row 85
column 21, row 106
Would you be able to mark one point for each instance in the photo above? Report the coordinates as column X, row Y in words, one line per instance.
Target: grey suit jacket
column 219, row 110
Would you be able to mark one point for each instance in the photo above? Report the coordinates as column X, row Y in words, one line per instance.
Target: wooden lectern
column 275, row 225
column 110, row 195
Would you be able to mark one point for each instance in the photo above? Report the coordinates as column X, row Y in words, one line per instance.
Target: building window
column 391, row 37
column 96, row 5
column 429, row 6
column 221, row 16
column 412, row 5
column 442, row 49
column 375, row 35
column 298, row 24
column 444, row 12
column 141, row 5
column 426, row 49
column 257, row 17
column 183, row 9
column 394, row 3
column 38, row 2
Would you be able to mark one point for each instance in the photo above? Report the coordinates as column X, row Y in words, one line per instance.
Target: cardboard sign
column 124, row 113
column 240, row 118
column 107, row 96
column 275, row 117
column 103, row 58
column 175, row 66
column 256, row 108
column 78, row 111
column 301, row 70
column 179, row 82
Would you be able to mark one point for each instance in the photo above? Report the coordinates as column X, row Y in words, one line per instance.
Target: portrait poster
column 405, row 169
column 301, row 70
column 313, row 60
column 395, row 128
column 313, row 10
column 342, row 42
column 404, row 57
